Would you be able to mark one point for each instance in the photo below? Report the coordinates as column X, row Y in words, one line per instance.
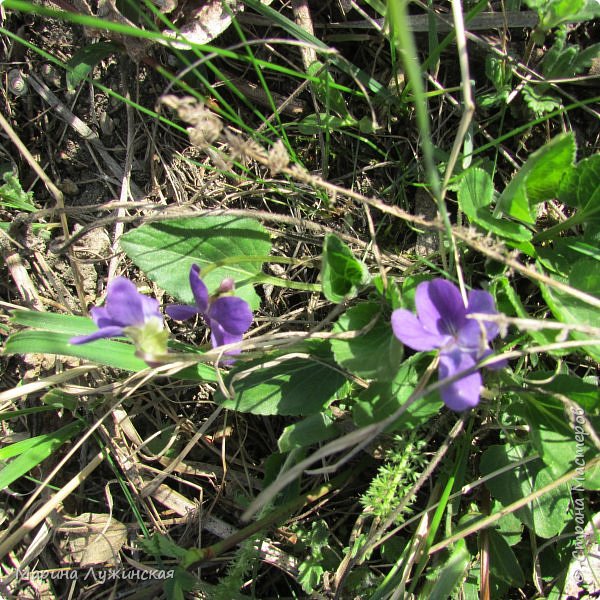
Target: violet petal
column 181, row 312
column 125, row 306
column 440, row 307
column 232, row 313
column 104, row 332
column 221, row 337
column 472, row 337
column 150, row 307
column 199, row 289
column 464, row 393
column 409, row 330
column 483, row 302
column 101, row 317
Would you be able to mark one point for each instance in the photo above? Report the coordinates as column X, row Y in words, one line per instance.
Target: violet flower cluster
column 129, row 313
column 442, row 322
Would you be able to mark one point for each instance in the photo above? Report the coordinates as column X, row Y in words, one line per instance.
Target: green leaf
column 12, row 194
column 549, row 430
column 566, row 60
column 374, row 354
column 508, row 526
column 584, row 276
column 111, row 353
column 539, row 99
column 586, row 394
column 555, row 12
column 545, row 516
column 312, row 430
column 221, row 246
column 297, row 386
column 57, row 398
column 498, row 71
column 85, row 59
column 315, row 123
column 452, row 572
column 476, row 191
column 503, row 562
column 56, row 322
column 51, row 332
column 342, row 275
column 21, row 447
column 45, row 445
column 176, row 587
column 161, row 545
column 538, row 178
column 580, row 188
column 325, row 91
column 475, row 194
column 382, row 399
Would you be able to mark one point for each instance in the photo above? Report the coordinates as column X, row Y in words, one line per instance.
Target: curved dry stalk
column 42, row 384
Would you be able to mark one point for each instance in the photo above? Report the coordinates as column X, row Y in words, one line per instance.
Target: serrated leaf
column 298, row 386
column 342, row 275
column 376, row 353
column 85, row 59
column 539, row 100
column 475, row 194
column 539, row 178
column 161, row 545
column 222, row 247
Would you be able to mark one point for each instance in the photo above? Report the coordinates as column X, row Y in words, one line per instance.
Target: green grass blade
column 44, row 446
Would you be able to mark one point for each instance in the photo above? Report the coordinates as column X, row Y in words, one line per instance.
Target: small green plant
column 12, row 194
column 403, row 462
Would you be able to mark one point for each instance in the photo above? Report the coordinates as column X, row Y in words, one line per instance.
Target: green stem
column 403, row 37
column 287, row 283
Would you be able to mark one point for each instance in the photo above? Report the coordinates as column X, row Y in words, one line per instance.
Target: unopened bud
column 227, row 285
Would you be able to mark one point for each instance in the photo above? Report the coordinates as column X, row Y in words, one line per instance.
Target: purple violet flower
column 228, row 317
column 442, row 322
column 126, row 312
